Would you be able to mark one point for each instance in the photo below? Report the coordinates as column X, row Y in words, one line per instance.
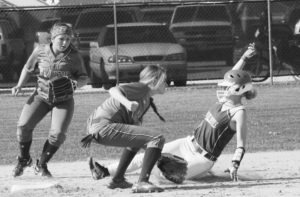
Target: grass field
column 273, row 121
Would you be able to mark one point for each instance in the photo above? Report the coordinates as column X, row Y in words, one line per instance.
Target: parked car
column 12, row 49
column 90, row 21
column 157, row 14
column 204, row 29
column 139, row 44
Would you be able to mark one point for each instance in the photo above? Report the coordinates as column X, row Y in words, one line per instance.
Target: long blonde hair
column 153, row 75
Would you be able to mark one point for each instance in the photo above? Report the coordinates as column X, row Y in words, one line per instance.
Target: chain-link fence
column 192, row 40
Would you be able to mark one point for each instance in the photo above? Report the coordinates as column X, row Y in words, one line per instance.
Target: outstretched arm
column 247, row 54
column 22, row 80
column 241, row 130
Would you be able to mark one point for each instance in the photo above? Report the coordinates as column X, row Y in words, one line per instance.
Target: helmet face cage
column 236, row 82
column 222, row 92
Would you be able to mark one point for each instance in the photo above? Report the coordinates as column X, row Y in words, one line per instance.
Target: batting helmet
column 236, row 82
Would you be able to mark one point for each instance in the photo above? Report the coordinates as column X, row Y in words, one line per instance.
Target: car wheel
column 180, row 83
column 168, row 82
column 9, row 71
column 95, row 81
column 104, row 77
column 86, row 61
column 109, row 84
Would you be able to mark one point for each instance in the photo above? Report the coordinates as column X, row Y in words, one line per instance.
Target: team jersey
column 214, row 132
column 45, row 65
column 114, row 111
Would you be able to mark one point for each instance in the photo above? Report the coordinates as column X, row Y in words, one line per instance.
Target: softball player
column 54, row 60
column 117, row 122
column 222, row 121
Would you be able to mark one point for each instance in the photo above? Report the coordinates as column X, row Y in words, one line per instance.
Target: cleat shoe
column 122, row 184
column 98, row 171
column 22, row 164
column 42, row 170
column 146, row 187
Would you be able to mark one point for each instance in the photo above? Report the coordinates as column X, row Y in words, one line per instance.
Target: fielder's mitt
column 173, row 167
column 61, row 89
column 98, row 171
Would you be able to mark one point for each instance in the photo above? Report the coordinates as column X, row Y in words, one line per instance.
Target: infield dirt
column 261, row 174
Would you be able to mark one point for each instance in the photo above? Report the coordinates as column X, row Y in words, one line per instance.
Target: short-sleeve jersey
column 214, row 132
column 114, row 111
column 45, row 65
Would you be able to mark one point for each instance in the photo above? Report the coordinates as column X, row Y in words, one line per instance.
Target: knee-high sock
column 125, row 160
column 150, row 158
column 48, row 151
column 24, row 149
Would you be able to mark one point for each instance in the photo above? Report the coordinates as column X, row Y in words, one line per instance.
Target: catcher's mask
column 236, row 82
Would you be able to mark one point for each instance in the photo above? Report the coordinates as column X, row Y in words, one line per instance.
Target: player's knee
column 24, row 133
column 57, row 139
column 157, row 142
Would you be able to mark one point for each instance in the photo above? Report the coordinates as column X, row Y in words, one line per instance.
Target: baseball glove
column 173, row 167
column 61, row 89
column 98, row 171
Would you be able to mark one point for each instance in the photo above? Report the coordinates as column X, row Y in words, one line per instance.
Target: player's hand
column 15, row 90
column 250, row 52
column 86, row 141
column 233, row 173
column 132, row 106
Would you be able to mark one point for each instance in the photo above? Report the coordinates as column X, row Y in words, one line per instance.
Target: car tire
column 180, row 83
column 95, row 81
column 109, row 85
column 9, row 70
column 168, row 82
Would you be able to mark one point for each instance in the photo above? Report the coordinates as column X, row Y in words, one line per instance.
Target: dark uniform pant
column 35, row 109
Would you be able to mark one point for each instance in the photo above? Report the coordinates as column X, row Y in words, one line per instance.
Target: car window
column 184, row 14
column 207, row 13
column 201, row 13
column 45, row 26
column 99, row 19
column 140, row 34
column 158, row 16
column 69, row 19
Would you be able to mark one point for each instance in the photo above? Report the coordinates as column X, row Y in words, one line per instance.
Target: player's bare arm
column 240, row 119
column 250, row 52
column 241, row 130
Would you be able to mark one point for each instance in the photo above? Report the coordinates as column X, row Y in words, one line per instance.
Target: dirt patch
column 261, row 174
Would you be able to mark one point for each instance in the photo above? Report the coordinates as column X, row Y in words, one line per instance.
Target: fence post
column 116, row 43
column 270, row 42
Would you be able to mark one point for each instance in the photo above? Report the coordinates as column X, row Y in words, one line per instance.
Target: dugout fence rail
column 22, row 28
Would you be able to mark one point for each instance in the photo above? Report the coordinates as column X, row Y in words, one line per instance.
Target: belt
column 200, row 150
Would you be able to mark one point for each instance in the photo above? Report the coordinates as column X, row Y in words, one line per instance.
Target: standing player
column 223, row 120
column 117, row 122
column 58, row 60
